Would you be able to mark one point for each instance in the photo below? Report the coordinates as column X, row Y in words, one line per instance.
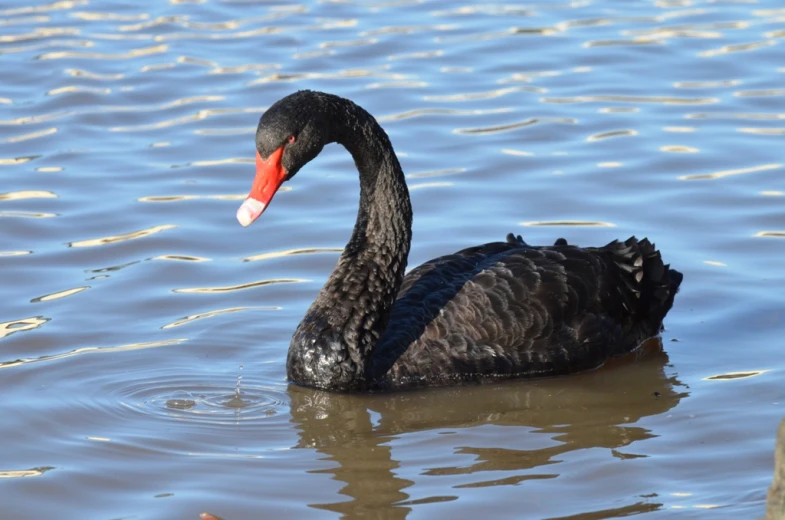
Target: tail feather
column 649, row 284
column 518, row 239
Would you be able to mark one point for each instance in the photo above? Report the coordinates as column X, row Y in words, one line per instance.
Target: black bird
column 495, row 311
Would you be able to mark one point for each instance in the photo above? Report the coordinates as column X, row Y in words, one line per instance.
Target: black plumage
column 499, row 310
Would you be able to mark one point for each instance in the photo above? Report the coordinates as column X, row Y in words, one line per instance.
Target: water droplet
column 180, row 404
column 237, row 387
column 181, row 401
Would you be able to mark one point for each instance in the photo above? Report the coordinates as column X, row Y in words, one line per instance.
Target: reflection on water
column 514, row 126
column 728, row 173
column 83, row 350
column 197, row 404
column 120, row 238
column 737, row 375
column 33, row 472
column 361, row 435
column 129, row 295
column 11, row 327
column 181, row 258
column 614, row 133
column 560, row 223
column 210, row 314
column 26, row 214
column 28, row 194
column 291, row 252
column 237, row 287
column 60, row 294
column 634, row 99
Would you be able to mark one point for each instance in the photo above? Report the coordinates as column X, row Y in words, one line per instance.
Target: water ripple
column 26, row 214
column 55, row 6
column 12, row 327
column 772, row 234
column 133, row 53
column 408, row 30
column 239, row 69
column 727, row 173
column 419, row 112
column 195, row 401
column 40, row 118
column 28, row 194
column 631, row 41
column 742, row 47
column 17, row 160
column 608, row 135
column 514, row 126
column 740, row 115
column 436, row 173
column 677, row 148
column 133, row 235
column 667, row 100
column 566, row 223
column 59, row 294
column 423, row 185
column 475, row 96
column 86, row 350
column 210, row 314
column 38, row 34
column 760, row 93
column 707, row 84
column 239, row 287
column 492, row 10
column 112, row 17
column 292, row 252
column 22, row 20
column 32, row 135
column 763, row 131
column 341, row 74
column 181, row 258
column 24, row 473
column 735, row 375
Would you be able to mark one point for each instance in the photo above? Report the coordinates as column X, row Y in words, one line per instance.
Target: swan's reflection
column 593, row 410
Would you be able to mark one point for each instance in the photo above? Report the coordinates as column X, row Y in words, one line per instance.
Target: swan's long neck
column 336, row 338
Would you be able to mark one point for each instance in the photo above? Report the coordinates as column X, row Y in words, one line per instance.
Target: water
column 131, row 298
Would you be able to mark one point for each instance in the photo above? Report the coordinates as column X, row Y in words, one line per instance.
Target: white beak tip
column 249, row 211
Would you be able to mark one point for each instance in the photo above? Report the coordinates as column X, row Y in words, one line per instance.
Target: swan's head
column 290, row 133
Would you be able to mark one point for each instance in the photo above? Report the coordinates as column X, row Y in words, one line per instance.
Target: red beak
column 269, row 177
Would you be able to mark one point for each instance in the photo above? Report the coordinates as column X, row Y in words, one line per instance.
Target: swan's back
column 507, row 309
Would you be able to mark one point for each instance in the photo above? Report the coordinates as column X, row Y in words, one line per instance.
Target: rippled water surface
column 143, row 332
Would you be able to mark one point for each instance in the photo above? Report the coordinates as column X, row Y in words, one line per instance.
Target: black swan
column 490, row 312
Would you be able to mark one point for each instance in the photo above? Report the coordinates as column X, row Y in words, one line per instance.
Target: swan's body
column 499, row 310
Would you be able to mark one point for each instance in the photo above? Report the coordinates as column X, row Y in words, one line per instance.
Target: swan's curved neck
column 336, row 338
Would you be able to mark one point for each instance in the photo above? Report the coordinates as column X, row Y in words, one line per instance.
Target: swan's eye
column 291, row 139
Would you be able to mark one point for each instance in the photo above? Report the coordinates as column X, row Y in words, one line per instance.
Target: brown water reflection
column 600, row 409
